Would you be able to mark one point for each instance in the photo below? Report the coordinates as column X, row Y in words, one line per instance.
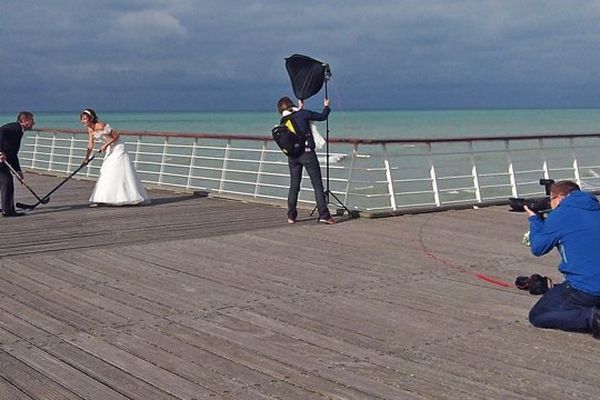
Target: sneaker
column 93, row 205
column 327, row 221
column 596, row 323
column 291, row 221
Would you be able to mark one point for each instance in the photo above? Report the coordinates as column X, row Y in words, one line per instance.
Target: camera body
column 537, row 205
column 535, row 284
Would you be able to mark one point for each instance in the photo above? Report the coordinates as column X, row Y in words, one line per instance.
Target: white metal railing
column 372, row 176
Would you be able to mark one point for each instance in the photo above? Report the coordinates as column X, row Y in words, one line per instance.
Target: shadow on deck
column 202, row 298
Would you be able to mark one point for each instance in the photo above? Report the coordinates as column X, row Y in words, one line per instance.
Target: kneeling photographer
column 573, row 227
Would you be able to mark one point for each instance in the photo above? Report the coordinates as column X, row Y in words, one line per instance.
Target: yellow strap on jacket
column 290, row 125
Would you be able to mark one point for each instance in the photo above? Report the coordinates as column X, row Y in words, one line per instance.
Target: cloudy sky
column 201, row 55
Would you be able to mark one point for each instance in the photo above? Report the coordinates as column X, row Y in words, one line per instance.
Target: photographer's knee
column 534, row 318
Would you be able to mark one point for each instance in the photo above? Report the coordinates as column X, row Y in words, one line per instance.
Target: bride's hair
column 91, row 113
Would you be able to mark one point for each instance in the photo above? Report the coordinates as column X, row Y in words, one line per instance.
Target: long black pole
column 46, row 198
column 327, row 191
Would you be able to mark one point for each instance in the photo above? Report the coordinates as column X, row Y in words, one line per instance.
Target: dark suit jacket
column 10, row 143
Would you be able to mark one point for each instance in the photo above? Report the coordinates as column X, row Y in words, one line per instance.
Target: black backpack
column 288, row 137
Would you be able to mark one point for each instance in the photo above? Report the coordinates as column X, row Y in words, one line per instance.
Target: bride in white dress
column 118, row 183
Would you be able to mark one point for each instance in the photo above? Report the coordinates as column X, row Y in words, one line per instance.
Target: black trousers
column 7, row 190
column 309, row 161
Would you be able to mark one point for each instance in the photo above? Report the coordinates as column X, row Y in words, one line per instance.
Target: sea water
column 393, row 124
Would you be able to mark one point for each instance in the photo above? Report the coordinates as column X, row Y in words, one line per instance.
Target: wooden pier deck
column 204, row 298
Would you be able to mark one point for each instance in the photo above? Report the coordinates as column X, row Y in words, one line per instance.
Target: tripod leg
column 352, row 213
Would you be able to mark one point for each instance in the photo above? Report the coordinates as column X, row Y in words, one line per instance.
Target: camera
column 537, row 205
column 535, row 284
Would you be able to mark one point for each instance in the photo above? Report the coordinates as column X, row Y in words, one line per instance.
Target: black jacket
column 302, row 120
column 10, row 143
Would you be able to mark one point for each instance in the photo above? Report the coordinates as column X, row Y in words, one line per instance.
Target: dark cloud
column 205, row 55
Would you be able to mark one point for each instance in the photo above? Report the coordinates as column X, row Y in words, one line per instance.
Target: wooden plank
column 89, row 279
column 104, row 372
column 39, row 323
column 192, row 331
column 170, row 287
column 18, row 330
column 10, row 392
column 189, row 363
column 332, row 368
column 61, row 373
column 57, row 303
column 160, row 377
column 19, row 381
column 27, row 383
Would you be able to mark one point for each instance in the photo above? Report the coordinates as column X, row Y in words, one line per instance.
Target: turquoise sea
column 362, row 124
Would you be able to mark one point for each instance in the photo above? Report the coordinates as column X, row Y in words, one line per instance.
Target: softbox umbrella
column 307, row 75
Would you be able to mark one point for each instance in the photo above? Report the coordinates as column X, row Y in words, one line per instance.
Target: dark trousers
column 7, row 190
column 309, row 161
column 564, row 307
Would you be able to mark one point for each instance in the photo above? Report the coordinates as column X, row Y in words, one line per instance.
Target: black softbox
column 307, row 75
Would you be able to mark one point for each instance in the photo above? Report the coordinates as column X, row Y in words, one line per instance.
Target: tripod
column 341, row 206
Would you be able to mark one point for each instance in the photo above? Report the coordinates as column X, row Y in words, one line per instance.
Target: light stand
column 342, row 206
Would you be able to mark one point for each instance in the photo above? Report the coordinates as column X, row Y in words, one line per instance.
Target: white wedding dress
column 118, row 183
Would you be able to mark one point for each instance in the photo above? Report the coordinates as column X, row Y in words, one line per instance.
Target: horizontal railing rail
column 373, row 176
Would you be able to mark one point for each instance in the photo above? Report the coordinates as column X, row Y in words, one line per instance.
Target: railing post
column 188, row 183
column 433, row 177
column 138, row 145
column 259, row 171
column 350, row 172
column 225, row 166
column 545, row 168
column 388, row 176
column 163, row 160
column 52, row 148
column 35, row 149
column 511, row 170
column 575, row 163
column 71, row 148
column 474, row 174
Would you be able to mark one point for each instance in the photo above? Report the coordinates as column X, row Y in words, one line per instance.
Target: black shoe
column 596, row 323
column 13, row 214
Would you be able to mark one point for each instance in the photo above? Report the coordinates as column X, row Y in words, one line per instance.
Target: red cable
column 479, row 275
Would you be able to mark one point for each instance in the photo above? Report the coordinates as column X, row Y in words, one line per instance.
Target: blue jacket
column 574, row 228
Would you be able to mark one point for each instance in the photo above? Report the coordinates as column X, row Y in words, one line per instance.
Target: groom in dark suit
column 10, row 143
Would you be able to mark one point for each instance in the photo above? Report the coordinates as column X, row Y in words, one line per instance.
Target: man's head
column 284, row 103
column 25, row 118
column 561, row 189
